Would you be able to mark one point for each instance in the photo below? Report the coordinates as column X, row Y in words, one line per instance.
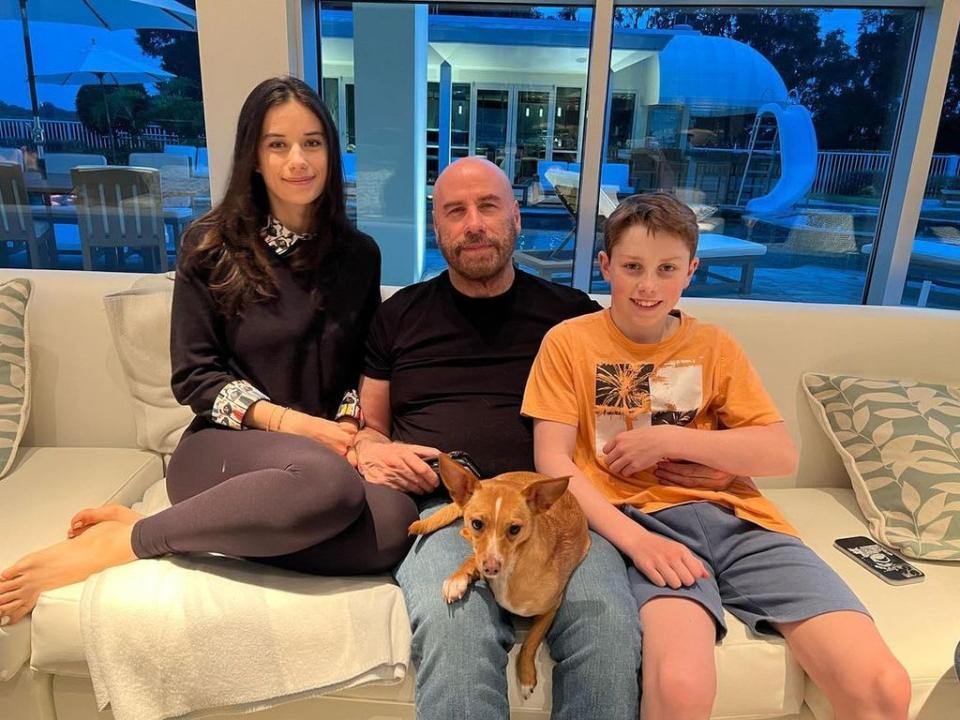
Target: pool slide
column 798, row 160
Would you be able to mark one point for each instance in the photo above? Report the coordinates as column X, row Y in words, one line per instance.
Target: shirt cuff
column 232, row 403
column 350, row 408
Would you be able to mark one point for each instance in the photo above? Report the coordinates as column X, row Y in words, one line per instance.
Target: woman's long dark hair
column 229, row 242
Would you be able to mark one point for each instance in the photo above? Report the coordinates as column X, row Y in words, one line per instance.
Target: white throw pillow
column 14, row 368
column 139, row 321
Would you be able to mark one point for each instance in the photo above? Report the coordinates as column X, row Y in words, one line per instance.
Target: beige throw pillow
column 14, row 368
column 139, row 321
column 900, row 443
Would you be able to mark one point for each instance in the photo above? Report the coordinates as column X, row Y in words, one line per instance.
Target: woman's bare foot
column 102, row 545
column 88, row 517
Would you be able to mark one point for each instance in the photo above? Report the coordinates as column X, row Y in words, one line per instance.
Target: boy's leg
column 459, row 650
column 773, row 582
column 679, row 671
column 845, row 656
column 595, row 641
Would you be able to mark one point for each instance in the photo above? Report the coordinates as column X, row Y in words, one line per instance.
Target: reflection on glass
column 492, row 118
column 774, row 124
column 566, row 128
column 533, row 109
column 933, row 276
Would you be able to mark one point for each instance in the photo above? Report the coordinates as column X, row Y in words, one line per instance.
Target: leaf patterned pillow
column 900, row 443
column 14, row 369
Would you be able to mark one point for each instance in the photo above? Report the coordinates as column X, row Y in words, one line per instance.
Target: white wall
column 241, row 43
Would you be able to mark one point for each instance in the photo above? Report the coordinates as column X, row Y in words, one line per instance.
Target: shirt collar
column 280, row 238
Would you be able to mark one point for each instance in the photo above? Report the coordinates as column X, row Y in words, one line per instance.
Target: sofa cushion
column 900, row 443
column 139, row 321
column 53, row 483
column 14, row 368
column 919, row 622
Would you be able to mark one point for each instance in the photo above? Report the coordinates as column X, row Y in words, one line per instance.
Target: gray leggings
column 279, row 499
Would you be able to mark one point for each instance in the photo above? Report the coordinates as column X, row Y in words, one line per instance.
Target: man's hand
column 694, row 475
column 397, row 465
column 665, row 562
column 633, row 451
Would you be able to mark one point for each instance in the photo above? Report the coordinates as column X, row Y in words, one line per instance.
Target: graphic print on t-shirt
column 631, row 395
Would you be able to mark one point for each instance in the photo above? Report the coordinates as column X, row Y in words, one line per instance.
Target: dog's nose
column 491, row 566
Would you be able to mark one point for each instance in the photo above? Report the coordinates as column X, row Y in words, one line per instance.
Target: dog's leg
column 456, row 585
column 441, row 518
column 526, row 669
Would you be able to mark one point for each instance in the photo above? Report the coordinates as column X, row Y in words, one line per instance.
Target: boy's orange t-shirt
column 590, row 375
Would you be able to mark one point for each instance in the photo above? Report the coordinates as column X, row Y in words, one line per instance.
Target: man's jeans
column 460, row 650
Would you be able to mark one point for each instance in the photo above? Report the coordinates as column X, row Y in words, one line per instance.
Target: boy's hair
column 657, row 212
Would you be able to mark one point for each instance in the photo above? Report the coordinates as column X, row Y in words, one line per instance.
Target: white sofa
column 80, row 449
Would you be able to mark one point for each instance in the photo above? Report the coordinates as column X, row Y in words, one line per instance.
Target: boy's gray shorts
column 760, row 576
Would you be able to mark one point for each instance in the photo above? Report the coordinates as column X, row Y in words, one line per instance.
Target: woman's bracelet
column 280, row 421
column 273, row 413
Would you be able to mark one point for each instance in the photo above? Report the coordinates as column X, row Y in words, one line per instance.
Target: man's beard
column 484, row 264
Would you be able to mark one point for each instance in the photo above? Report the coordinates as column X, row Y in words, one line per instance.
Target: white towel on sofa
column 184, row 637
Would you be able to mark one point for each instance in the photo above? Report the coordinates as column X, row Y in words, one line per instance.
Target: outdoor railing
column 19, row 131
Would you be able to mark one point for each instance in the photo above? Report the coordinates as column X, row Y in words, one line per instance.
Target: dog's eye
column 476, row 524
column 514, row 529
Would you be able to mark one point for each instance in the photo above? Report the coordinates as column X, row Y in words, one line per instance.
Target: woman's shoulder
column 359, row 244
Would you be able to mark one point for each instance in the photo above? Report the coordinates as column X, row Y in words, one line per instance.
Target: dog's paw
column 454, row 587
column 526, row 691
column 417, row 527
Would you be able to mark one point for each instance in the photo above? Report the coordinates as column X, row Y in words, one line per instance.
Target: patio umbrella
column 105, row 67
column 107, row 14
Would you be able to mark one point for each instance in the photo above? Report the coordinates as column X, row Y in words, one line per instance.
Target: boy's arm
column 753, row 450
column 663, row 561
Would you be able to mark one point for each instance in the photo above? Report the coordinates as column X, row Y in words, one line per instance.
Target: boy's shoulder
column 576, row 326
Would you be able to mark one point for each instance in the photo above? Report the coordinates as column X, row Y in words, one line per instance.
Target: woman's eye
column 514, row 529
column 476, row 524
column 276, row 144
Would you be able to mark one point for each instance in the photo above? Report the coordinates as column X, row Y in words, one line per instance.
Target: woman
column 273, row 297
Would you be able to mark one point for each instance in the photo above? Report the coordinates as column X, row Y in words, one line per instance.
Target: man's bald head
column 472, row 169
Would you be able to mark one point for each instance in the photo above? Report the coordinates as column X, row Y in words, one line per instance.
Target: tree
column 128, row 105
column 948, row 138
column 176, row 110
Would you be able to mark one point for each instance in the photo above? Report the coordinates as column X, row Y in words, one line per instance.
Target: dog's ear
column 458, row 480
column 542, row 494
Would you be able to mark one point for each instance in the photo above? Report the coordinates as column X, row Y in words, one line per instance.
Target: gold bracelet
column 280, row 421
column 273, row 414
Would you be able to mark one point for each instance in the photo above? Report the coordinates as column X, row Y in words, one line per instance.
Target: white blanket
column 184, row 637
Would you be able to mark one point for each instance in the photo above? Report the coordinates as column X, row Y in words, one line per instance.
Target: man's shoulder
column 566, row 302
column 410, row 295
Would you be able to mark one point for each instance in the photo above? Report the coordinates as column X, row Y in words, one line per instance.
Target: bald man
column 446, row 365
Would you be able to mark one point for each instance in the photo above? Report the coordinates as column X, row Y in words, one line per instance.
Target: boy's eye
column 668, row 268
column 514, row 529
column 476, row 524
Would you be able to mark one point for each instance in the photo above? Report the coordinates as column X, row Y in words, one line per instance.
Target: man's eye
column 514, row 529
column 476, row 524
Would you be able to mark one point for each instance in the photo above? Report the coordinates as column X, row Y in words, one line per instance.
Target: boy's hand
column 693, row 475
column 633, row 451
column 666, row 562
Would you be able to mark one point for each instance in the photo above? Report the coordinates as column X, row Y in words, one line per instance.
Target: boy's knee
column 678, row 691
column 883, row 691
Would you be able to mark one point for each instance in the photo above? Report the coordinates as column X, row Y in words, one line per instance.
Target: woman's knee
column 324, row 486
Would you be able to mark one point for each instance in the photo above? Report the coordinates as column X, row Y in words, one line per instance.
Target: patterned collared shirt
column 281, row 239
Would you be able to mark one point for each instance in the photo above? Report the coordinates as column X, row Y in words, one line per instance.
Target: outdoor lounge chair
column 931, row 257
column 17, row 226
column 63, row 163
column 118, row 209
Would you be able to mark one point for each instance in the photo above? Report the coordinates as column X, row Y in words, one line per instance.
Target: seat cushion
column 39, row 496
column 919, row 622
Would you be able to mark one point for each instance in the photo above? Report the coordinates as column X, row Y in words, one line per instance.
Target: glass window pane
column 933, row 277
column 774, row 124
column 518, row 76
column 153, row 122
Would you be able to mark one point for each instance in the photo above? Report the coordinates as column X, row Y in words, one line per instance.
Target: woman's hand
column 665, row 561
column 338, row 436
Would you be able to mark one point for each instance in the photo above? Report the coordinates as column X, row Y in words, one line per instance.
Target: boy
column 620, row 400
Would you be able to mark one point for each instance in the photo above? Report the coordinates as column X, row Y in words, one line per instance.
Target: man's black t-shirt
column 457, row 365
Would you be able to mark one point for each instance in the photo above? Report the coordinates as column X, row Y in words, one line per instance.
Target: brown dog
column 528, row 534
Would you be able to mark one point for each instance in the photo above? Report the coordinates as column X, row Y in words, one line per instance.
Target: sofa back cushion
column 139, row 321
column 900, row 444
column 14, row 368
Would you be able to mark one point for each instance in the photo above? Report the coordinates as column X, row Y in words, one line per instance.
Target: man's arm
column 664, row 561
column 754, row 450
column 380, row 461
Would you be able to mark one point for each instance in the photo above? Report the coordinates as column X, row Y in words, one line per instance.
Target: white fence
column 20, row 129
column 835, row 167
